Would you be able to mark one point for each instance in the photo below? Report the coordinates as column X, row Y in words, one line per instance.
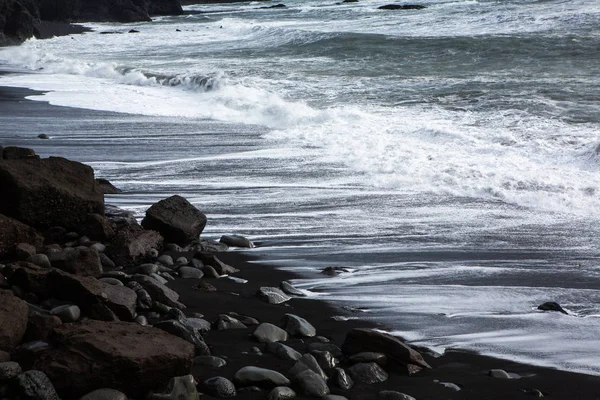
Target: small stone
column 250, row 375
column 9, row 370
column 105, row 394
column 35, row 385
column 43, row 136
column 190, row 273
column 67, row 313
column 180, row 388
column 144, row 301
column 244, row 319
column 283, row 352
column 159, row 278
column 266, row 333
column 281, row 393
column 297, row 326
column 142, row 320
column 502, row 374
column 41, row 260
column 147, row 269
column 99, row 247
column 291, row 290
column 204, row 286
column 165, row 260
column 325, row 359
column 236, row 241
column 181, row 261
column 153, row 253
column 552, row 306
column 368, row 373
column 307, row 361
column 220, row 387
column 24, row 250
column 392, row 395
column 342, row 379
column 211, row 361
column 225, row 322
column 199, row 323
column 272, row 295
column 172, row 247
column 311, row 383
column 112, row 281
column 210, row 272
column 106, row 262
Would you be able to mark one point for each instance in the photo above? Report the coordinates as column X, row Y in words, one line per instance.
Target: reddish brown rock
column 81, row 261
column 399, row 355
column 125, row 356
column 177, row 220
column 39, row 327
column 13, row 232
column 16, row 153
column 130, row 247
column 97, row 227
column 48, row 192
column 28, row 277
column 13, row 320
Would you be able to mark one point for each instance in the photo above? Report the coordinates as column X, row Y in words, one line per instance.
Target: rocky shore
column 94, row 305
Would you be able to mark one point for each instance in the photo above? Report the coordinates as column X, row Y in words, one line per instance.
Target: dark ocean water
column 446, row 156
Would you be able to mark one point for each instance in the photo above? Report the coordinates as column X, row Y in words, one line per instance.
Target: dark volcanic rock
column 17, row 21
column 264, row 378
column 368, row 373
column 125, row 356
column 158, row 291
column 272, row 295
column 402, row 7
column 97, row 227
column 39, row 327
column 342, row 379
column 48, row 192
column 311, row 383
column 552, row 306
column 219, row 387
column 297, row 326
column 399, row 355
column 13, row 320
column 13, row 232
column 210, row 260
column 131, row 246
column 106, row 187
column 176, row 219
column 18, row 153
column 236, row 241
column 80, row 261
column 185, row 331
column 34, row 385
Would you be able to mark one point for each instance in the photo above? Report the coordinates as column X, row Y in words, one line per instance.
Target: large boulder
column 49, row 192
column 399, row 354
column 13, row 320
column 129, row 247
column 16, row 22
column 13, row 232
column 125, row 356
column 176, row 219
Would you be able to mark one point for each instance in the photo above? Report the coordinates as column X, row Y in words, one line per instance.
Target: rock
column 219, row 387
column 105, row 394
column 165, row 260
column 17, row 24
column 281, row 393
column 24, row 250
column 266, row 333
column 311, row 383
column 211, row 260
column 41, row 260
column 204, row 286
column 111, row 281
column 272, row 295
column 80, row 261
column 330, row 347
column 283, row 352
column 4, row 356
column 67, row 313
column 297, row 326
column 121, row 219
column 141, row 320
column 129, row 247
column 39, row 327
column 210, row 272
column 368, row 373
column 334, row 271
column 236, row 241
column 211, row 361
column 342, row 379
column 107, row 263
column 264, row 378
column 34, row 385
column 307, row 361
column 185, row 331
column 225, row 322
column 180, row 388
column 200, row 324
column 401, row 7
column 98, row 227
column 392, row 395
column 502, row 374
column 182, row 261
column 158, row 291
column 244, row 319
column 291, row 290
column 325, row 359
column 552, row 306
column 43, row 136
column 190, row 273
column 144, row 300
column 18, row 153
column 368, row 356
column 14, row 313
column 399, row 355
column 176, row 219
column 9, row 370
column 125, row 356
column 334, row 397
column 274, row 6
column 106, row 187
column 147, row 269
column 13, row 233
column 49, row 192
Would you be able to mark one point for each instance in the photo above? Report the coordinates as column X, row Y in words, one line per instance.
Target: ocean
column 447, row 157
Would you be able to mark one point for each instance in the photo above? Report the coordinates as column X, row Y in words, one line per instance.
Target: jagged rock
column 307, row 361
column 49, row 192
column 190, row 273
column 311, row 383
column 368, row 356
column 368, row 373
column 282, row 351
column 552, row 306
column 180, row 388
column 281, row 393
column 342, row 379
column 106, row 187
column 291, row 290
column 98, row 227
column 125, row 356
column 401, row 7
column 13, row 232
column 399, row 355
column 13, row 320
column 176, row 219
column 105, row 394
column 185, row 331
column 9, row 370
column 129, row 247
column 34, row 385
column 67, row 313
column 225, row 322
column 266, row 333
column 209, row 259
column 211, row 361
column 236, row 241
column 220, row 387
column 211, row 246
column 17, row 24
column 41, row 260
column 272, row 295
column 264, row 378
column 325, row 359
column 392, row 395
column 297, row 326
column 158, row 291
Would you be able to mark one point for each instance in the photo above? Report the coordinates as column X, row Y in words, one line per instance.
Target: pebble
column 281, row 393
column 165, row 260
column 502, row 374
column 99, row 247
column 190, row 273
column 112, row 281
column 67, row 313
column 220, row 387
column 266, row 333
column 41, row 260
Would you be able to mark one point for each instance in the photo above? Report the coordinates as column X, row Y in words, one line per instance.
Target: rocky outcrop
column 176, row 219
column 13, row 320
column 126, row 356
column 13, row 232
column 17, row 19
column 48, row 192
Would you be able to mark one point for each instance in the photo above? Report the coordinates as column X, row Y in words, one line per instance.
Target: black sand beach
column 466, row 370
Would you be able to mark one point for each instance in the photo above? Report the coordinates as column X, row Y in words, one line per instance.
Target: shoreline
column 465, row 369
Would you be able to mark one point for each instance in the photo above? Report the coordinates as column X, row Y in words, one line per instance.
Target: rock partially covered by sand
column 49, row 192
column 176, row 219
column 126, row 356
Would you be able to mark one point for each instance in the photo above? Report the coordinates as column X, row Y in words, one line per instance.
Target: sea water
column 446, row 157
